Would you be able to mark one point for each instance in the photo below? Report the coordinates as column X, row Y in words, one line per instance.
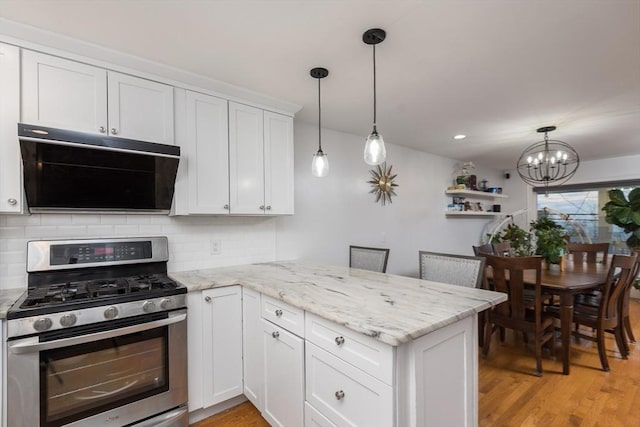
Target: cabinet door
column 65, row 94
column 194, row 355
column 278, row 166
column 140, row 109
column 222, row 344
column 207, row 154
column 252, row 356
column 246, row 159
column 10, row 178
column 283, row 376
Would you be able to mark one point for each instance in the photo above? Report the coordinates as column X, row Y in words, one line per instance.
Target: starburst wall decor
column 382, row 183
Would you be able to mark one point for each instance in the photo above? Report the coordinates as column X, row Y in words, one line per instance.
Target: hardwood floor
column 511, row 395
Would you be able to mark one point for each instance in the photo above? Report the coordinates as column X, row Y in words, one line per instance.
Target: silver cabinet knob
column 102, row 129
column 275, row 334
column 114, row 131
column 68, row 320
column 207, row 299
column 148, row 306
column 279, row 313
column 261, row 207
column 42, row 324
column 12, row 201
column 269, row 207
column 111, row 312
column 226, row 207
column 339, row 394
column 339, row 340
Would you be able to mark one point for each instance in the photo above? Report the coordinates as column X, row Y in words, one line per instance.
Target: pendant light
column 548, row 162
column 320, row 163
column 374, row 151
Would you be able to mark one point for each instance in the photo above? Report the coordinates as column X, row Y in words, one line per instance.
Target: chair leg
column 601, row 350
column 481, row 323
column 502, row 334
column 627, row 327
column 538, row 345
column 622, row 348
column 488, row 331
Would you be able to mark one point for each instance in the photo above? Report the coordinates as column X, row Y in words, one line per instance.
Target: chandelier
column 548, row 161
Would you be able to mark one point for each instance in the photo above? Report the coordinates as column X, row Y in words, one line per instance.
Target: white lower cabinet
column 253, row 354
column 283, row 376
column 313, row 418
column 215, row 346
column 345, row 394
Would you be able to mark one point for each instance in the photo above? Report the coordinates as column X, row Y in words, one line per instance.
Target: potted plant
column 520, row 240
column 625, row 213
column 550, row 237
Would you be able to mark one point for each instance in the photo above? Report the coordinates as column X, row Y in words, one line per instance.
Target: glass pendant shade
column 374, row 151
column 320, row 164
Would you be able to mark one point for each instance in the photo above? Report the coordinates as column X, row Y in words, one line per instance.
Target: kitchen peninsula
column 365, row 348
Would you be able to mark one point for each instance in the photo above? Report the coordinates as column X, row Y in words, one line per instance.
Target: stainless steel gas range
column 99, row 337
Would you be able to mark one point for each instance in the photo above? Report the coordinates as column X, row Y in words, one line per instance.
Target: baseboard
column 203, row 413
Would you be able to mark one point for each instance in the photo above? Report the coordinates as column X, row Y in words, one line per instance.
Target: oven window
column 83, row 380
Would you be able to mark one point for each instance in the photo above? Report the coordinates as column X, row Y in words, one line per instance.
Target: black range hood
column 68, row 171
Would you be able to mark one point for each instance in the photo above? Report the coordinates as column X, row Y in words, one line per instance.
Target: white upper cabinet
column 65, row 94
column 260, row 161
column 278, row 167
column 10, row 180
column 206, row 150
column 71, row 95
column 140, row 109
column 246, row 159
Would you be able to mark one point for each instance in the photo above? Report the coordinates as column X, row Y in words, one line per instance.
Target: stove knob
column 167, row 304
column 148, row 306
column 111, row 312
column 43, row 324
column 68, row 320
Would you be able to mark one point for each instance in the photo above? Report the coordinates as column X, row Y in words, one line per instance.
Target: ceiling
column 494, row 70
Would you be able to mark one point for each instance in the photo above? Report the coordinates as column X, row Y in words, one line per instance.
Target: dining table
column 573, row 279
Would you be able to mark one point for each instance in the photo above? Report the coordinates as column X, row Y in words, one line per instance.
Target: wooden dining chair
column 624, row 321
column 487, row 248
column 502, row 249
column 591, row 252
column 602, row 313
column 365, row 258
column 519, row 312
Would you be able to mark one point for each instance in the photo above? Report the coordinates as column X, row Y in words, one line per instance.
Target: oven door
column 130, row 373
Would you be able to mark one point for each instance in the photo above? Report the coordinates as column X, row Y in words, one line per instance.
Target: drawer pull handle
column 339, row 340
column 339, row 394
column 275, row 334
column 279, row 313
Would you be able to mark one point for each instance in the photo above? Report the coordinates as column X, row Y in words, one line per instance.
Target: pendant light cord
column 374, row 90
column 319, row 120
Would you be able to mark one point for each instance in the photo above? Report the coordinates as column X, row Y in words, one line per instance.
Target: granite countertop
column 7, row 298
column 392, row 309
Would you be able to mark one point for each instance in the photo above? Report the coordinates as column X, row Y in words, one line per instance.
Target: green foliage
column 550, row 239
column 519, row 238
column 625, row 213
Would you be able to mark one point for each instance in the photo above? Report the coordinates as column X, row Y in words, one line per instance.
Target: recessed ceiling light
column 460, row 136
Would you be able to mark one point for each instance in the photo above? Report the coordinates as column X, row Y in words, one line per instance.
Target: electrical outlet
column 216, row 247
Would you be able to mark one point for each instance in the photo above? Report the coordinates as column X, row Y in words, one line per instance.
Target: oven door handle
column 174, row 317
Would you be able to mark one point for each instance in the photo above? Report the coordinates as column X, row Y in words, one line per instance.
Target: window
column 579, row 210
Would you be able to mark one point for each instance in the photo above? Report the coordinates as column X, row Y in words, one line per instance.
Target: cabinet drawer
column 313, row 418
column 283, row 314
column 368, row 354
column 344, row 394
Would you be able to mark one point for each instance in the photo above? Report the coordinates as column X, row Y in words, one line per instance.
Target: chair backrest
column 487, row 248
column 509, row 277
column 626, row 293
column 618, row 278
column 590, row 250
column 502, row 249
column 453, row 269
column 373, row 259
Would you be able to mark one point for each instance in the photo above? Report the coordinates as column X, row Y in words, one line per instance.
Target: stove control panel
column 90, row 315
column 84, row 253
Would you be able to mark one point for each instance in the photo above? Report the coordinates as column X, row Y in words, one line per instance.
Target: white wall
column 243, row 240
column 334, row 212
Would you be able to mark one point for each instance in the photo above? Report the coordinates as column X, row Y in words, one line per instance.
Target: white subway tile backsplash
column 55, row 219
column 243, row 240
